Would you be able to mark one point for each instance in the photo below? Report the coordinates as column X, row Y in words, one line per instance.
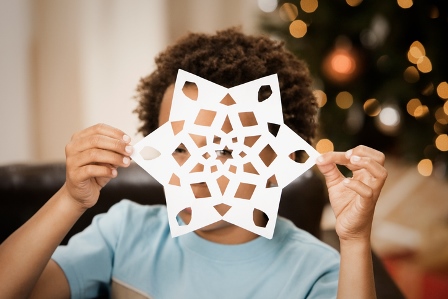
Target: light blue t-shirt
column 130, row 252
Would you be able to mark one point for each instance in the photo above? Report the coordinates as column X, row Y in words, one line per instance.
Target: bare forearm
column 356, row 273
column 26, row 252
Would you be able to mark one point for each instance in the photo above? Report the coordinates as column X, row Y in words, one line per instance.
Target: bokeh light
column 442, row 90
column 421, row 111
column 341, row 65
column 424, row 65
column 442, row 142
column 411, row 75
column 416, row 51
column 344, row 100
column 321, row 97
column 297, row 28
column 441, row 116
column 288, row 12
column 425, row 167
column 412, row 105
column 324, row 146
column 405, row 3
column 353, row 3
column 309, row 6
column 267, row 5
column 388, row 120
column 372, row 107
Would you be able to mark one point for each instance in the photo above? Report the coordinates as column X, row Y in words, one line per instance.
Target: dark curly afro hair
column 230, row 58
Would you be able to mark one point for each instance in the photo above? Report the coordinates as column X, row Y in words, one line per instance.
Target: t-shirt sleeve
column 87, row 259
column 326, row 286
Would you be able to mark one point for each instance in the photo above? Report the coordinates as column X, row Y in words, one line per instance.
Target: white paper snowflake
column 178, row 178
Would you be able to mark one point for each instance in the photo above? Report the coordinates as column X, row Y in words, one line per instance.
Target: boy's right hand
column 92, row 158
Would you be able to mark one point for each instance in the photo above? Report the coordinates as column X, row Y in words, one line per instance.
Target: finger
column 100, row 142
column 359, row 187
column 365, row 151
column 94, row 171
column 98, row 156
column 102, row 129
column 372, row 167
column 329, row 169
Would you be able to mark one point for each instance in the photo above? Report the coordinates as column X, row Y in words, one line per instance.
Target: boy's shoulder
column 297, row 239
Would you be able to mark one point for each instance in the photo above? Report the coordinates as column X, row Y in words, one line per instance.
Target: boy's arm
column 353, row 201
column 92, row 158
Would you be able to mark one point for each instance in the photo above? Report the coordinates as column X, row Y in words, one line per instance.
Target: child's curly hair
column 231, row 58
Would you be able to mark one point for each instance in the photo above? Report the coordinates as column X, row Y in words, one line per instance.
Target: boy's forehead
column 240, row 121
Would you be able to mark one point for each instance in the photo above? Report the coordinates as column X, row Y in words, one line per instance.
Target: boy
column 129, row 250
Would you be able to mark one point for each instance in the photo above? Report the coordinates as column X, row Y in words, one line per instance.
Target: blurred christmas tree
column 380, row 70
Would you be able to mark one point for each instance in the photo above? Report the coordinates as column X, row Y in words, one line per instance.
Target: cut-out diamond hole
column 191, row 90
column 248, row 119
column 301, row 156
column 223, row 182
column 149, row 153
column 199, row 140
column 227, row 126
column 213, row 168
column 177, row 126
column 216, row 140
column 174, row 180
column 228, row 100
column 242, row 154
column 234, row 140
column 198, row 168
column 250, row 140
column 200, row 190
column 181, row 222
column 181, row 154
column 222, row 208
column 205, row 118
column 266, row 152
column 249, row 168
column 245, row 191
column 264, row 93
column 274, row 128
column 256, row 218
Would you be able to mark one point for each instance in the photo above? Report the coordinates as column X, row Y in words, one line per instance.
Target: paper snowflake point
column 208, row 156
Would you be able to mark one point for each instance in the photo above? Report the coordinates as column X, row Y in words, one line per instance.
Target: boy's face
column 200, row 190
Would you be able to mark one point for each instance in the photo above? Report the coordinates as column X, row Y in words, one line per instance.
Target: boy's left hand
column 353, row 199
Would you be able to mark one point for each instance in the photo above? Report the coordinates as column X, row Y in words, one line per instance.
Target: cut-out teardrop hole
column 273, row 128
column 149, row 153
column 264, row 93
column 187, row 220
column 263, row 222
column 301, row 156
column 190, row 89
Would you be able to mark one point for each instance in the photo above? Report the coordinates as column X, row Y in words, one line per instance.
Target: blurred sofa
column 25, row 188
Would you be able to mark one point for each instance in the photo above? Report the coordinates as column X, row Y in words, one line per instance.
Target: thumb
column 329, row 169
